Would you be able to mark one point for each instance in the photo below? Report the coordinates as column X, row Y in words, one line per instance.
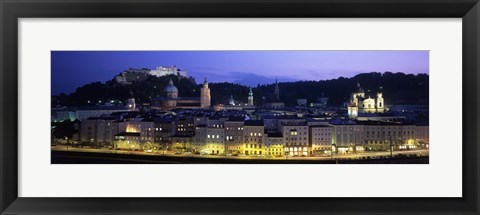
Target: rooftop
column 253, row 123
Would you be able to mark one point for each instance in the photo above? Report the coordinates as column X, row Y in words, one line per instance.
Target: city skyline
column 72, row 69
column 153, row 112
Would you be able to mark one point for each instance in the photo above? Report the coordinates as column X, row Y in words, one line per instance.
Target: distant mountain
column 252, row 80
column 398, row 88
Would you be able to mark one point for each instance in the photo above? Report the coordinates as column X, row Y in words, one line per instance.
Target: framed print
column 218, row 107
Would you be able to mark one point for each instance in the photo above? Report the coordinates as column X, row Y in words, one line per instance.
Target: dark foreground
column 64, row 157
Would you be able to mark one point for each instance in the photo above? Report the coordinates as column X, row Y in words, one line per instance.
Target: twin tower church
column 359, row 103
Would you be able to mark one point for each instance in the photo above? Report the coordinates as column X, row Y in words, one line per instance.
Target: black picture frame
column 12, row 10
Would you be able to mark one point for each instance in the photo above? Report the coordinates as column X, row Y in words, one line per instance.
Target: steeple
column 231, row 101
column 131, row 101
column 205, row 95
column 250, row 97
column 205, row 83
column 277, row 90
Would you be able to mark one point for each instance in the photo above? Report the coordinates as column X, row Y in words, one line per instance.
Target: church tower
column 205, row 95
column 131, row 102
column 231, row 101
column 277, row 90
column 352, row 111
column 250, row 97
column 171, row 93
column 380, row 102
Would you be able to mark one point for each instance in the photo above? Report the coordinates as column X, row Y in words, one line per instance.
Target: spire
column 170, row 82
column 358, row 84
column 205, row 83
column 231, row 101
column 250, row 97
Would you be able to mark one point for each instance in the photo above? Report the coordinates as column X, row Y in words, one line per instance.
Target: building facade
column 173, row 101
column 253, row 138
column 321, row 140
column 234, row 134
column 360, row 103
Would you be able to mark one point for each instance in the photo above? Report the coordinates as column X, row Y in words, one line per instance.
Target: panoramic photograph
column 240, row 107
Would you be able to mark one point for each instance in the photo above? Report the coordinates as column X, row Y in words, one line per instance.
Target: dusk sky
column 72, row 69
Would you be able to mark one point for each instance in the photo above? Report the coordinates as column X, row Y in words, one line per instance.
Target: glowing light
column 131, row 128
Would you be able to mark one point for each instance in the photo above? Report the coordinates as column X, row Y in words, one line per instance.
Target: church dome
column 171, row 88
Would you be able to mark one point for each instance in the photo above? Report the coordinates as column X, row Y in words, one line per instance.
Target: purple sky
column 72, row 69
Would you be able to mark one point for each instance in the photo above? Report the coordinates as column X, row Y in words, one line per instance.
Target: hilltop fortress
column 137, row 75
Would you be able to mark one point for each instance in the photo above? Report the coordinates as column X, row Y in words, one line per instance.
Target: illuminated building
column 164, row 129
column 422, row 135
column 274, row 145
column 321, row 139
column 164, row 71
column 185, row 126
column 205, row 95
column 250, row 97
column 234, row 134
column 133, row 75
column 360, row 103
column 199, row 139
column 215, row 141
column 253, row 138
column 128, row 141
column 347, row 135
column 100, row 130
column 147, row 130
column 359, row 136
column 131, row 102
column 295, row 136
column 173, row 101
column 181, row 143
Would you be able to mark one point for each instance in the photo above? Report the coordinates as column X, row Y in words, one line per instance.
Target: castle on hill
column 138, row 75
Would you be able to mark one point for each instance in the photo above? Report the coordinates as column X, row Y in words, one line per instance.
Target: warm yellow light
column 131, row 128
